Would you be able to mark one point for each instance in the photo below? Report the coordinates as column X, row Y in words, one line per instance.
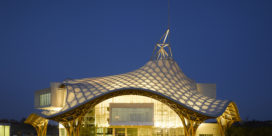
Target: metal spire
column 160, row 47
column 160, row 51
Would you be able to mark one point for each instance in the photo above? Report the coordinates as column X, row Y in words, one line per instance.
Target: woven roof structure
column 160, row 76
column 163, row 77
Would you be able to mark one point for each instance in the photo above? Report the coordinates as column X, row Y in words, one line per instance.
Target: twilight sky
column 224, row 42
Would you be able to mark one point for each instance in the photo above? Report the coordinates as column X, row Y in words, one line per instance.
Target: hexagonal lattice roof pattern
column 163, row 77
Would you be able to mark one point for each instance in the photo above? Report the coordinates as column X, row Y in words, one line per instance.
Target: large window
column 45, row 99
column 131, row 114
column 163, row 117
column 4, row 130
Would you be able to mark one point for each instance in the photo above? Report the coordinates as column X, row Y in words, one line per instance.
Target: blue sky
column 224, row 42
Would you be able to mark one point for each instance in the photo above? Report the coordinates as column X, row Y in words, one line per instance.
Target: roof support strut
column 190, row 126
column 230, row 116
column 38, row 122
column 73, row 127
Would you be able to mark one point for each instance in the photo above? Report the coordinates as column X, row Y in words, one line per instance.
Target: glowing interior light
column 61, row 126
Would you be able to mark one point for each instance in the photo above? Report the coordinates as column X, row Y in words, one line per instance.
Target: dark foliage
column 251, row 128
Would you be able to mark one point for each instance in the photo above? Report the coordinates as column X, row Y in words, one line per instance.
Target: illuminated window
column 45, row 99
column 4, row 130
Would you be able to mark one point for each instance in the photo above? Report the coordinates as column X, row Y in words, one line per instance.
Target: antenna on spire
column 160, row 51
column 168, row 14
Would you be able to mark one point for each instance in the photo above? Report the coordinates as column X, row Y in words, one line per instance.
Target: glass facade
column 164, row 117
column 45, row 99
column 132, row 112
column 131, row 115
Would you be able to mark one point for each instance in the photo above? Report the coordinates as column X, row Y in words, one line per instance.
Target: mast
column 160, row 51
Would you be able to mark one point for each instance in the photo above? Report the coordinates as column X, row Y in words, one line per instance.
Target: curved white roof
column 163, row 77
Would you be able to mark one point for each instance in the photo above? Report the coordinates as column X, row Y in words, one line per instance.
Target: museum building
column 157, row 99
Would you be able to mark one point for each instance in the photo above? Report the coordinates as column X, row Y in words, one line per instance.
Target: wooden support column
column 190, row 126
column 229, row 116
column 41, row 129
column 73, row 127
column 39, row 123
column 223, row 124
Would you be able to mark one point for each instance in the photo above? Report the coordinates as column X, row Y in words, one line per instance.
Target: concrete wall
column 57, row 96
